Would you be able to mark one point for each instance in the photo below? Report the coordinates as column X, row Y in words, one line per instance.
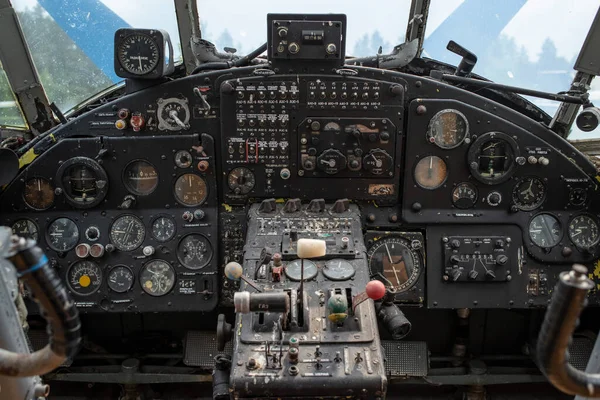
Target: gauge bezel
column 417, row 261
column 124, row 179
column 146, row 266
column 100, row 175
column 414, row 172
column 178, row 163
column 110, row 238
column 169, row 217
column 210, row 248
column 68, row 280
column 111, row 270
column 37, row 227
column 594, row 220
column 306, row 277
column 49, row 182
column 586, row 199
column 181, row 201
column 538, row 203
column 562, row 230
column 474, row 152
column 49, row 242
column 428, row 134
column 337, row 279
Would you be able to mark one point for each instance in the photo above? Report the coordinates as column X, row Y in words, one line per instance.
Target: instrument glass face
column 120, row 279
column 583, row 231
column 157, row 278
column 38, row 194
column 464, row 195
column 293, row 270
column 392, row 261
column 138, row 54
column 84, row 277
column 140, row 177
column 190, row 190
column 127, row 233
column 163, row 229
column 431, row 172
column 448, row 129
column 529, row 193
column 62, row 234
column 545, row 231
column 194, row 251
column 26, row 228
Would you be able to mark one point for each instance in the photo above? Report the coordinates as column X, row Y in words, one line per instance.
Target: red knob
column 375, row 290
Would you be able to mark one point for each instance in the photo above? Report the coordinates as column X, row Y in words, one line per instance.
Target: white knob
column 148, row 251
column 544, row 161
column 309, row 248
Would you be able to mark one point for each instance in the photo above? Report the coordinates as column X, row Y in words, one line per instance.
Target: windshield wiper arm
column 565, row 98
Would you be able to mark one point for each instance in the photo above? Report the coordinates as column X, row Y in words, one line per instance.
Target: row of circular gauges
column 84, row 183
column 528, row 194
column 127, row 233
column 156, row 278
column 491, row 157
column 546, row 231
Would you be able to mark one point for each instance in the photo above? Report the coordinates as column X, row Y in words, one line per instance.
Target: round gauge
column 448, row 129
column 84, row 182
column 194, row 251
column 577, row 197
column 62, row 234
column 338, row 270
column 545, row 231
column 38, row 194
column 431, row 172
column 183, row 159
column 241, row 180
column 157, row 278
column 140, row 177
column 491, row 157
column 583, row 232
column 173, row 114
column 529, row 193
column 120, row 279
column 127, row 233
column 392, row 261
column 293, row 270
column 464, row 195
column 84, row 277
column 25, row 228
column 377, row 162
column 332, row 126
column 163, row 229
column 138, row 54
column 190, row 190
column 331, row 161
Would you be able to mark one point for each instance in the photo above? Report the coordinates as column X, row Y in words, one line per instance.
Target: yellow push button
column 84, row 281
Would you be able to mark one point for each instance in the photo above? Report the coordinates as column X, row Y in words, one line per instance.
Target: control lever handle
column 561, row 318
column 468, row 61
column 235, row 272
column 374, row 290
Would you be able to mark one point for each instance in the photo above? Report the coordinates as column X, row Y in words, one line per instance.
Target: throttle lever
column 468, row 61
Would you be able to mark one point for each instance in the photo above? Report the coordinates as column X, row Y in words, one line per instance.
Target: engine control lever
column 468, row 61
column 235, row 272
column 392, row 317
column 308, row 248
column 561, row 318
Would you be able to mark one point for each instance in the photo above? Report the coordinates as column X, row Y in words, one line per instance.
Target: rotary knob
column 331, row 161
column 377, row 162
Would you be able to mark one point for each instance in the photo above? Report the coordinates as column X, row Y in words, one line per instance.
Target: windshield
column 71, row 41
column 528, row 43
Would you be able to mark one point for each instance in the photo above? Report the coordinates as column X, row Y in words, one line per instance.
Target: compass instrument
column 393, row 261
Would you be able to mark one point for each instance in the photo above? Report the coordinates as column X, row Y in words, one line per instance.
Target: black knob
column 308, row 164
column 455, row 243
column 416, row 207
column 315, row 125
column 499, row 243
column 490, row 275
column 455, row 275
column 354, row 164
column 372, row 137
column 473, row 275
column 340, row 206
column 385, row 136
column 226, row 88
column 109, row 248
column 316, row 205
column 314, row 140
column 292, row 205
column 396, row 90
column 502, row 259
column 455, row 259
column 267, row 206
column 312, row 151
